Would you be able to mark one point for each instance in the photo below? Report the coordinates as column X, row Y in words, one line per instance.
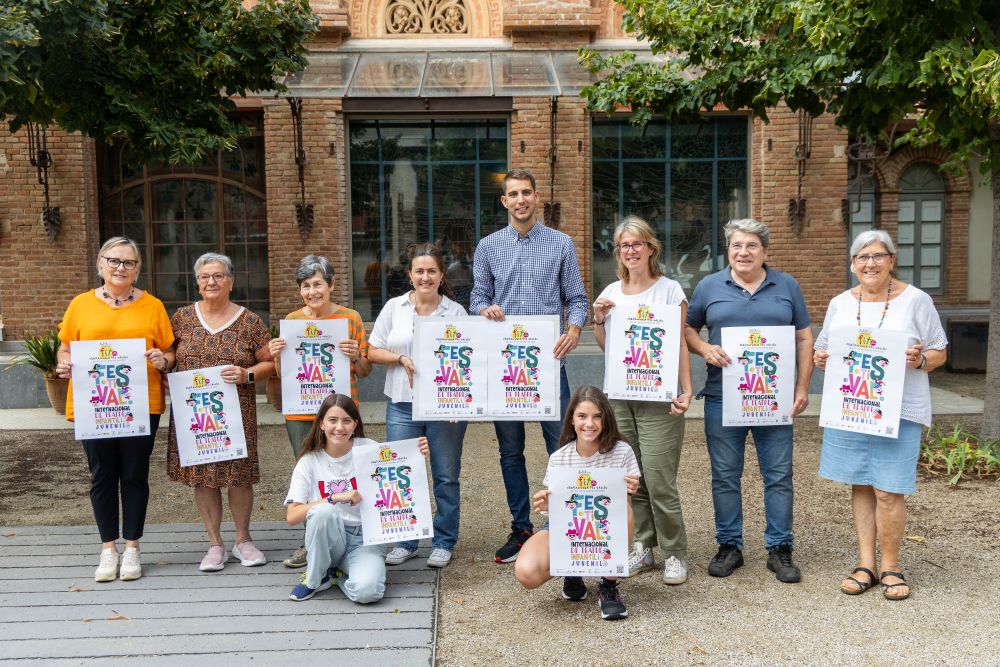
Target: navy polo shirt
column 718, row 301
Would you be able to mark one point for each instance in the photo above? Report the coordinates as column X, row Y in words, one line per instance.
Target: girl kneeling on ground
column 590, row 439
column 323, row 489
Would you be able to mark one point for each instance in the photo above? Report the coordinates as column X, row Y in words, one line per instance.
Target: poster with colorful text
column 758, row 387
column 110, row 388
column 642, row 350
column 395, row 496
column 863, row 383
column 312, row 366
column 450, row 359
column 588, row 522
column 207, row 417
column 523, row 373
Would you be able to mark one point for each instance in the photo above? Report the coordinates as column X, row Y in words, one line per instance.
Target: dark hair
column 517, row 175
column 609, row 425
column 315, row 440
column 432, row 250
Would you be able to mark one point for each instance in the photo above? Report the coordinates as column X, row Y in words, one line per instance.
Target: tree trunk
column 991, row 408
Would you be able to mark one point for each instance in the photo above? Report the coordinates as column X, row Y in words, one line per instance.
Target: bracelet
column 330, row 499
column 923, row 361
column 596, row 323
column 165, row 365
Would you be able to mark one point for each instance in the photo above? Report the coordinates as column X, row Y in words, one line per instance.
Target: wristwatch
column 249, row 376
column 596, row 323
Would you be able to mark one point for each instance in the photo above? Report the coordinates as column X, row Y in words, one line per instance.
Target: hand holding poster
column 450, row 377
column 312, row 366
column 588, row 522
column 207, row 417
column 863, row 384
column 523, row 373
column 395, row 496
column 642, row 350
column 758, row 387
column 110, row 388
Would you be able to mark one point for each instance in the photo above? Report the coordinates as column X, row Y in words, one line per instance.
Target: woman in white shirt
column 391, row 343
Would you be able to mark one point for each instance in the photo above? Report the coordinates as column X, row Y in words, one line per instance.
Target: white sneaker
column 131, row 568
column 675, row 571
column 439, row 558
column 399, row 555
column 108, row 568
column 639, row 560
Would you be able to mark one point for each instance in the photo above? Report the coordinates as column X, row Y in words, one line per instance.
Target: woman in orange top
column 117, row 309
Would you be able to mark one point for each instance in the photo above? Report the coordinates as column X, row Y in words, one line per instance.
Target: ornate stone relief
column 416, row 17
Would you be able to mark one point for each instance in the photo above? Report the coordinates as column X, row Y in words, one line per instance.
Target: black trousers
column 120, row 463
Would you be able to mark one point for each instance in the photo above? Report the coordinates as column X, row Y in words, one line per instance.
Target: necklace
column 884, row 310
column 118, row 302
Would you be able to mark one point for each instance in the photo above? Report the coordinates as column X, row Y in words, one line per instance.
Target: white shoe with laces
column 107, row 570
column 639, row 559
column 439, row 558
column 399, row 555
column 131, row 568
column 675, row 571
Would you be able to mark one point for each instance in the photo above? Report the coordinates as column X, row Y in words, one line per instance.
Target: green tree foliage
column 156, row 72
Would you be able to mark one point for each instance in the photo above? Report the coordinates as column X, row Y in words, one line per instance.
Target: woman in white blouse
column 882, row 470
column 391, row 343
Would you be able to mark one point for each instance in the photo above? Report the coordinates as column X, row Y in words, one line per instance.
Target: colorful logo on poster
column 393, row 494
column 643, row 313
column 588, row 529
column 758, row 383
column 519, row 332
column 315, row 370
column 865, row 339
column 110, row 391
column 643, row 353
column 105, row 351
column 755, row 338
column 451, row 332
column 312, row 331
column 208, row 417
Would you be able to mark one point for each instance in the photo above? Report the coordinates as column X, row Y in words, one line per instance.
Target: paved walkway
column 54, row 612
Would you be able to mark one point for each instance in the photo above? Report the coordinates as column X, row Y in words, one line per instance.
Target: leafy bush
column 41, row 353
column 959, row 455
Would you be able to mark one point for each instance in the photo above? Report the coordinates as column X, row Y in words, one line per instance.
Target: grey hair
column 114, row 242
column 866, row 238
column 748, row 226
column 309, row 265
column 210, row 257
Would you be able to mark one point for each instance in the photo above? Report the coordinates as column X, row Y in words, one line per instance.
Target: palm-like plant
column 41, row 353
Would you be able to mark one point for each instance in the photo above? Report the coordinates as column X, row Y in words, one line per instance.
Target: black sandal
column 862, row 585
column 888, row 587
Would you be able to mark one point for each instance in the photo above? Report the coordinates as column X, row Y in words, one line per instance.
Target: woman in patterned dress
column 217, row 332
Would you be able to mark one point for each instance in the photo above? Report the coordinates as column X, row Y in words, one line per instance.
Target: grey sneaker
column 438, row 558
column 639, row 559
column 675, row 571
column 400, row 555
column 297, row 559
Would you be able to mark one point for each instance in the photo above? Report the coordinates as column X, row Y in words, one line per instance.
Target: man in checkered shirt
column 527, row 268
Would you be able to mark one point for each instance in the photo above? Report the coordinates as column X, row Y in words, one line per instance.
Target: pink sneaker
column 249, row 554
column 215, row 559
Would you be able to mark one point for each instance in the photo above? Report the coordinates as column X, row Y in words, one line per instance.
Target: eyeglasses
column 114, row 262
column 208, row 277
column 878, row 258
column 749, row 247
column 625, row 247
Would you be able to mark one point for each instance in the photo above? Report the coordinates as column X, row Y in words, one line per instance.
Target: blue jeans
column 726, row 447
column 510, row 436
column 331, row 543
column 445, row 442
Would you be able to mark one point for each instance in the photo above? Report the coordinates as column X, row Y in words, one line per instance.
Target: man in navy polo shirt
column 749, row 293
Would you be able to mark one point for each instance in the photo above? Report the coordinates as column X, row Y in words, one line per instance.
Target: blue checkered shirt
column 535, row 275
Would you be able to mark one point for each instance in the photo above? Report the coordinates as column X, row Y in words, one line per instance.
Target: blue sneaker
column 303, row 592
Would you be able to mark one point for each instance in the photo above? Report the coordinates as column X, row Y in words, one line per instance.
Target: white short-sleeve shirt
column 318, row 475
column 620, row 456
column 664, row 290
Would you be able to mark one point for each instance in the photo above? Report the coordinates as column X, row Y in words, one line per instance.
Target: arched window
column 862, row 207
column 920, row 233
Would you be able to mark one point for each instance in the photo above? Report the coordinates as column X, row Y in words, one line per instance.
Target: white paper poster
column 395, row 496
column 863, row 383
column 642, row 350
column 110, row 388
column 523, row 377
column 207, row 417
column 588, row 522
column 312, row 366
column 758, row 387
column 451, row 365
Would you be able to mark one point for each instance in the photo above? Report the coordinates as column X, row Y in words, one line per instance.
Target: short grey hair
column 210, row 257
column 866, row 238
column 309, row 265
column 114, row 242
column 748, row 226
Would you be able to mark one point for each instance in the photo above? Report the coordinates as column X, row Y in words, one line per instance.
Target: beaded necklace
column 118, row 302
column 884, row 310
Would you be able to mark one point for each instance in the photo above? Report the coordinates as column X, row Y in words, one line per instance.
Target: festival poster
column 395, row 495
column 312, row 366
column 207, row 418
column 450, row 362
column 758, row 387
column 523, row 373
column 588, row 522
column 863, row 383
column 642, row 350
column 110, row 388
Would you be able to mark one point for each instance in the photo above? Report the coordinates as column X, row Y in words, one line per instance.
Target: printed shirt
column 538, row 274
column 393, row 331
column 718, row 301
column 621, row 456
column 318, row 475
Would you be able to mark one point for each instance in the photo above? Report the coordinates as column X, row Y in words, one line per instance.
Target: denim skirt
column 887, row 464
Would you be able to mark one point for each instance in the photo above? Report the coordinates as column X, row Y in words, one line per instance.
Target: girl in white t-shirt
column 324, row 491
column 589, row 438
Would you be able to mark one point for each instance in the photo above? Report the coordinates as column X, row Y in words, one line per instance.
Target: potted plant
column 273, row 386
column 42, row 355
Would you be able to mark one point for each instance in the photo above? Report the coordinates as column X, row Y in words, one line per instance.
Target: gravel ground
column 748, row 618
